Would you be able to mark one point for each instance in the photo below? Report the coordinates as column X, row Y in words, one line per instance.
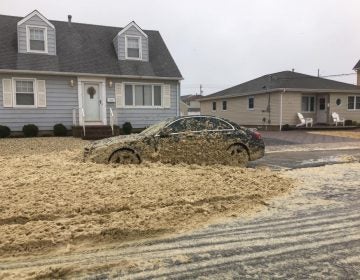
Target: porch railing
column 77, row 112
column 113, row 119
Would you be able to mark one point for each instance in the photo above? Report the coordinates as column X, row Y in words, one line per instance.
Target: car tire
column 238, row 155
column 124, row 157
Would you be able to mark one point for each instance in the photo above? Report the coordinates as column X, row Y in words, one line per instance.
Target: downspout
column 177, row 100
column 281, row 108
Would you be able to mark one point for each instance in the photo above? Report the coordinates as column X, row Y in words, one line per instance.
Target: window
column 224, row 105
column 197, row 124
column 24, row 95
column 133, row 47
column 251, row 103
column 214, row 106
column 37, row 39
column 354, row 102
column 217, row 124
column 308, row 103
column 188, row 124
column 143, row 95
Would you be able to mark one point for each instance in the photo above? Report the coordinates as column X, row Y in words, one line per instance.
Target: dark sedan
column 190, row 139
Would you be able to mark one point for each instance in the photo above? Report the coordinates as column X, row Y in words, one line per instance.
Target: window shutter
column 41, row 93
column 7, row 93
column 119, row 98
column 167, row 96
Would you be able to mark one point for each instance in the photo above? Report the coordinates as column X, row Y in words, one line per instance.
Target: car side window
column 217, row 124
column 187, row 124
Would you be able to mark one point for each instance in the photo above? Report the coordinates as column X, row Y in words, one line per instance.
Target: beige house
column 192, row 103
column 275, row 100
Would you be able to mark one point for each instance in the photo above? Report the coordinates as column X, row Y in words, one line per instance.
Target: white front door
column 322, row 109
column 92, row 102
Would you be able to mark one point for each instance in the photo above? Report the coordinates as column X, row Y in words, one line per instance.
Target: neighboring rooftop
column 190, row 97
column 283, row 80
column 357, row 66
column 84, row 48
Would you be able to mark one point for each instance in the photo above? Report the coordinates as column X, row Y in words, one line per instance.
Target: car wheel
column 124, row 157
column 238, row 155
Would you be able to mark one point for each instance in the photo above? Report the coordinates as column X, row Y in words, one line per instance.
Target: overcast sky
column 223, row 43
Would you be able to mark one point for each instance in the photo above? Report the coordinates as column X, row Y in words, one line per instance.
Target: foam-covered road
column 314, row 233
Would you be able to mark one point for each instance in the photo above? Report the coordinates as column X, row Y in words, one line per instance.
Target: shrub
column 286, row 127
column 127, row 128
column 30, row 130
column 348, row 122
column 4, row 131
column 60, row 130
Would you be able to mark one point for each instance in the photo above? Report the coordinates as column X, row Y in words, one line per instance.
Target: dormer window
column 36, row 39
column 133, row 47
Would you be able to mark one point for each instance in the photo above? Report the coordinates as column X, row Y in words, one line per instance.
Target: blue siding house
column 83, row 75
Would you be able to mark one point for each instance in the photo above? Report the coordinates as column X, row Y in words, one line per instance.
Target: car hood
column 115, row 140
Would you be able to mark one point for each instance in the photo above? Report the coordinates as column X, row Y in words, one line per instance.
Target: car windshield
column 154, row 129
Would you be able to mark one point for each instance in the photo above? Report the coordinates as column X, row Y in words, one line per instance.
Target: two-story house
column 82, row 74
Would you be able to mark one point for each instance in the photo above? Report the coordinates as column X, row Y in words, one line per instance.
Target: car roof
column 171, row 120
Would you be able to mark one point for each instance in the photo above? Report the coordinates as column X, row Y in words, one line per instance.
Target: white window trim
column 133, row 23
column 309, row 104
column 33, row 13
column 253, row 108
column 222, row 105
column 14, row 92
column 28, row 39
column 126, row 47
column 133, row 84
column 355, row 97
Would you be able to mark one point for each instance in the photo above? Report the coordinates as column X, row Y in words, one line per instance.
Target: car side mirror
column 164, row 134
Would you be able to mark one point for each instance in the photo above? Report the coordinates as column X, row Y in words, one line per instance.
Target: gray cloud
column 223, row 43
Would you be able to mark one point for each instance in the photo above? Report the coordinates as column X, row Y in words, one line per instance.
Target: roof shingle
column 85, row 48
column 285, row 79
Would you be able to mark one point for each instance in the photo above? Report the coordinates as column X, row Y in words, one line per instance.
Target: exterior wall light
column 72, row 82
column 110, row 83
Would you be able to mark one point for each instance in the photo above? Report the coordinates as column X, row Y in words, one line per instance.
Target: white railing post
column 83, row 119
column 111, row 120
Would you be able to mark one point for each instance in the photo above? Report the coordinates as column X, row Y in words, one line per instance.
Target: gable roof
column 85, row 49
column 357, row 66
column 189, row 97
column 282, row 80
column 133, row 23
column 36, row 12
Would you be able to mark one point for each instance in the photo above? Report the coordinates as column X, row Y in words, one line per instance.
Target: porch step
column 95, row 132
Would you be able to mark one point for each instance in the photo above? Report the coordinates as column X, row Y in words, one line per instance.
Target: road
column 302, row 159
column 313, row 233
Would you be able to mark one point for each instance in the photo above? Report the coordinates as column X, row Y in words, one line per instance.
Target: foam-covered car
column 188, row 139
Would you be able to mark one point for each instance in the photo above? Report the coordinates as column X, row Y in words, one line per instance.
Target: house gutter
column 237, row 95
column 54, row 73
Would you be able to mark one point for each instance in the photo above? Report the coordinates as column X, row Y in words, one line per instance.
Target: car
column 197, row 139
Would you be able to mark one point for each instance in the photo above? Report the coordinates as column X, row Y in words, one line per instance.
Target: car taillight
column 256, row 135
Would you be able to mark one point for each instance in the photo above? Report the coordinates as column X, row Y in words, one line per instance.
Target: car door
column 220, row 135
column 183, row 141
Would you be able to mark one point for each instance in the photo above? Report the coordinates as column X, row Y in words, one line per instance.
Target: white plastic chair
column 336, row 119
column 304, row 121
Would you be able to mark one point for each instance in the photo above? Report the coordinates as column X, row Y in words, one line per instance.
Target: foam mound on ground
column 49, row 198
